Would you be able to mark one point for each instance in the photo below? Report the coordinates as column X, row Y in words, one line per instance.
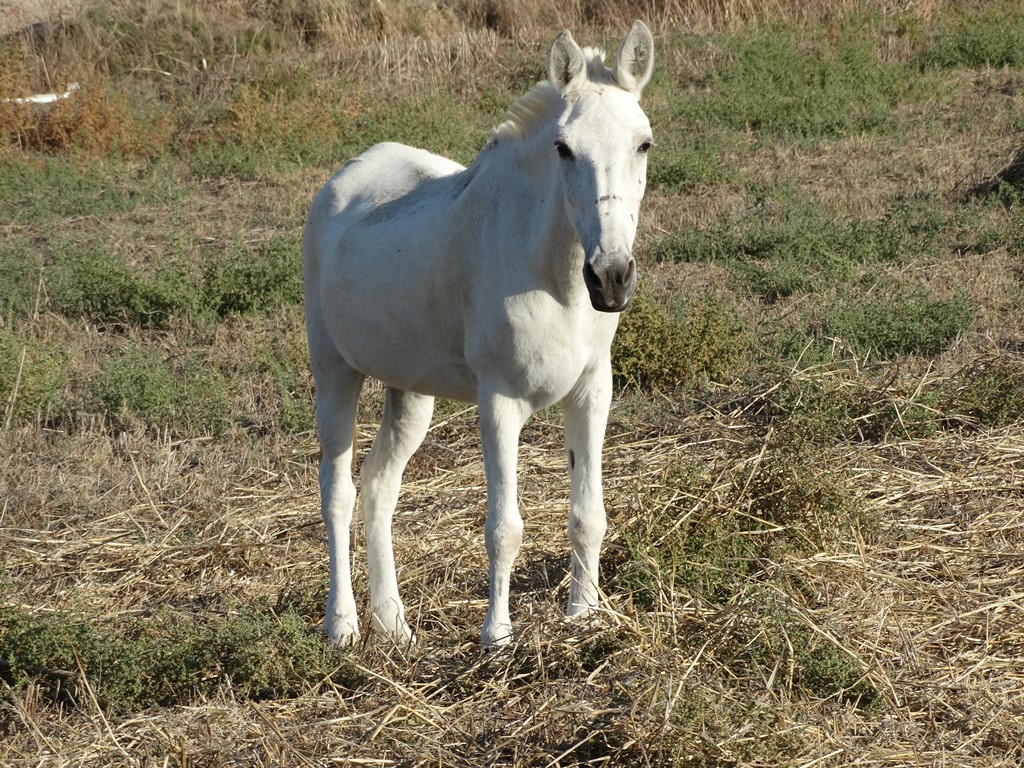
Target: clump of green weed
column 816, row 408
column 43, row 189
column 225, row 160
column 792, row 245
column 653, row 350
column 792, row 499
column 828, row 405
column 426, row 121
column 20, row 280
column 266, row 277
column 899, row 321
column 983, row 37
column 648, row 351
column 776, row 251
column 32, row 377
column 101, row 286
column 188, row 398
column 916, row 416
column 166, row 658
column 684, row 160
column 989, row 393
column 288, row 364
column 819, row 664
column 729, row 558
column 796, row 489
column 769, row 82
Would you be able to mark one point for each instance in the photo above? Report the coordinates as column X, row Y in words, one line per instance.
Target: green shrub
column 768, row 82
column 32, row 377
column 985, row 37
column 652, row 350
column 648, row 351
column 188, row 398
column 818, row 663
column 288, row 364
column 815, row 408
column 226, row 160
column 21, row 269
column 989, row 392
column 245, row 281
column 165, row 658
column 918, row 417
column 102, row 287
column 440, row 121
column 792, row 500
column 796, row 488
column 729, row 560
column 38, row 189
column 830, row 406
column 792, row 245
column 682, row 160
column 898, row 321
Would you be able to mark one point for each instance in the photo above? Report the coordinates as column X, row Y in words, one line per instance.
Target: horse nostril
column 624, row 277
column 627, row 278
column 590, row 276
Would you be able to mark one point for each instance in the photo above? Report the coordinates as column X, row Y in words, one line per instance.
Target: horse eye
column 645, row 147
column 563, row 150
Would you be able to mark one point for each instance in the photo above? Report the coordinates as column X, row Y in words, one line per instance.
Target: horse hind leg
column 403, row 426
column 337, row 397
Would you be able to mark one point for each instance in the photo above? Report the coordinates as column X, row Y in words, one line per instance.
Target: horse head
column 603, row 137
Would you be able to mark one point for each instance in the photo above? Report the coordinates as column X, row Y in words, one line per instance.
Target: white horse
column 497, row 284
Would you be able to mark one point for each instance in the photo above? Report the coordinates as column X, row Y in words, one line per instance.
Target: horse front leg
column 501, row 420
column 586, row 415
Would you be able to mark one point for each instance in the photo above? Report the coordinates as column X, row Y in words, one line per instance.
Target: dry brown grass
column 930, row 607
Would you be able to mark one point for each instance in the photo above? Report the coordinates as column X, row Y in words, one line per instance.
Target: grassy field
column 815, row 462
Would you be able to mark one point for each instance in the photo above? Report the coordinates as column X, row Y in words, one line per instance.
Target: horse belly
column 388, row 320
column 411, row 364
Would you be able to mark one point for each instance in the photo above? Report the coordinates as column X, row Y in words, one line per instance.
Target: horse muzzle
column 611, row 285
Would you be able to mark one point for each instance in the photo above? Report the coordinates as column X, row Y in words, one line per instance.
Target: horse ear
column 635, row 62
column 566, row 66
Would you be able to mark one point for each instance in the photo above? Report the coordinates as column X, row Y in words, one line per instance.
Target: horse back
column 386, row 176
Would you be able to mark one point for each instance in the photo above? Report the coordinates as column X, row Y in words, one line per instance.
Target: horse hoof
column 395, row 628
column 500, row 636
column 343, row 639
column 341, row 632
column 404, row 637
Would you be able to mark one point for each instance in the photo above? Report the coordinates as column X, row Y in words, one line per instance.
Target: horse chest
column 541, row 348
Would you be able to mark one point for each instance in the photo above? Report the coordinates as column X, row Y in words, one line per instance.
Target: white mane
column 543, row 101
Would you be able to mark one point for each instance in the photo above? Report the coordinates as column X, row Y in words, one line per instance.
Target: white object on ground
column 46, row 98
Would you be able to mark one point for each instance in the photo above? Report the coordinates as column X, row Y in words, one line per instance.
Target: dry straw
column 930, row 608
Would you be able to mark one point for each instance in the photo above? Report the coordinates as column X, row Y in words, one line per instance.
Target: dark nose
column 610, row 286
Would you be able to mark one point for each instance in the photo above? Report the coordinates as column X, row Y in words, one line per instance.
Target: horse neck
column 549, row 239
